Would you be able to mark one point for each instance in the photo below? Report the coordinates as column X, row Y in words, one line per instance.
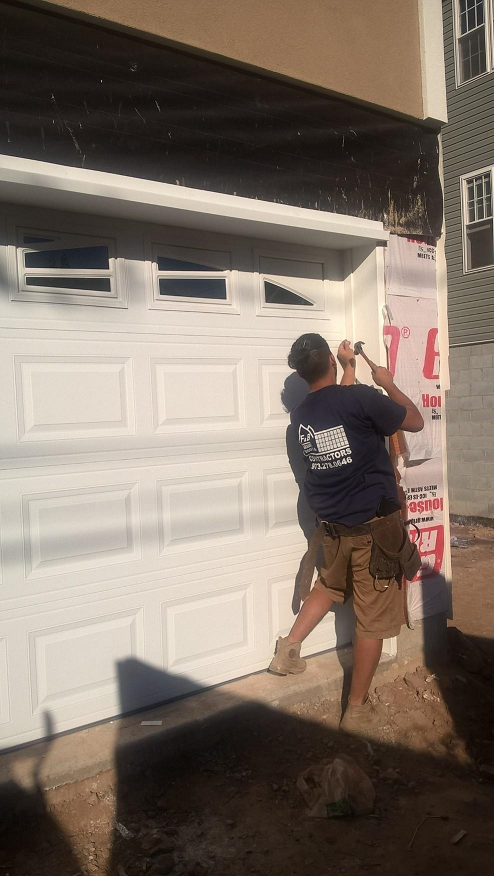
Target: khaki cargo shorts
column 345, row 573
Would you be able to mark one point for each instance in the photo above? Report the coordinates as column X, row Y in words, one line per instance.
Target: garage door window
column 291, row 285
column 194, row 279
column 276, row 294
column 68, row 268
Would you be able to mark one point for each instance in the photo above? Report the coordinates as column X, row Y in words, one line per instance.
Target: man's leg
column 315, row 607
column 378, row 610
column 366, row 656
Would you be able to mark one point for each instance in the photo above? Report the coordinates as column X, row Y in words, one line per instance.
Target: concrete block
column 470, row 504
column 462, row 495
column 454, row 456
column 457, row 506
column 467, row 429
column 479, row 502
column 485, row 468
column 458, row 482
column 453, row 403
column 486, row 348
column 487, row 429
column 477, row 484
column 458, row 352
column 459, row 358
column 460, row 389
column 472, row 454
column 480, row 387
column 482, row 442
column 487, row 444
column 483, row 360
column 456, row 441
column 473, row 374
column 482, row 415
column 471, row 403
column 452, row 428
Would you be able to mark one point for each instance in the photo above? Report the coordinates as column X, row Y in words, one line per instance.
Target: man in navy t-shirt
column 349, row 483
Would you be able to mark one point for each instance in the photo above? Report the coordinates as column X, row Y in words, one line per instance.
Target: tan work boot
column 287, row 659
column 359, row 719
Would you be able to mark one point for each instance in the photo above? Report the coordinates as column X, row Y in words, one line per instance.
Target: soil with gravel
column 233, row 808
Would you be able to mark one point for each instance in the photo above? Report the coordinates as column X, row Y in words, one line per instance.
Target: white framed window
column 187, row 278
column 65, row 268
column 289, row 285
column 478, row 231
column 473, row 39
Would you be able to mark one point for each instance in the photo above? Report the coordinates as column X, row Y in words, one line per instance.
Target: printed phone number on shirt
column 320, row 464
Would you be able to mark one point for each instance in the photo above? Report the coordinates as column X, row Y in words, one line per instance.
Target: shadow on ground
column 223, row 800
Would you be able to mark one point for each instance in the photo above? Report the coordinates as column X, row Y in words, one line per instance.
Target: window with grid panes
column 473, row 35
column 478, row 221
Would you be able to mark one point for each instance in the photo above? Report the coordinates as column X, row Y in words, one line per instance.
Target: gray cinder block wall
column 470, row 430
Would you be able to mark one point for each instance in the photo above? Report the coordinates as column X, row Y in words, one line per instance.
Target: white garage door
column 149, row 532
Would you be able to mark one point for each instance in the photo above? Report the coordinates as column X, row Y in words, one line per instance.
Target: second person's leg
column 327, row 590
column 315, row 607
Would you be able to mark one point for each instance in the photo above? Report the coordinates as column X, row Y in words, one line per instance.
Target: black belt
column 336, row 529
column 339, row 529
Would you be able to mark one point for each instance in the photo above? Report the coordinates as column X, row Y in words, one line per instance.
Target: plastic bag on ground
column 336, row 789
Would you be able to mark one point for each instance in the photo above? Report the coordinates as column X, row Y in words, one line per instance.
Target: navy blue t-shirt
column 341, row 430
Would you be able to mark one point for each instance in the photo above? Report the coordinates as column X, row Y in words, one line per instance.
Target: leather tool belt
column 385, row 564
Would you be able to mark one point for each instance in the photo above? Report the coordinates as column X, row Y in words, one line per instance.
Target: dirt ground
column 233, row 808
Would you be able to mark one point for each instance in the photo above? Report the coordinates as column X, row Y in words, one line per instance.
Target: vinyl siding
column 468, row 145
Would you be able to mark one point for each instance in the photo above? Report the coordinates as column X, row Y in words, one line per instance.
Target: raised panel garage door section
column 149, row 528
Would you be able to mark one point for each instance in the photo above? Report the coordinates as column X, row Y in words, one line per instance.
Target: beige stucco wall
column 365, row 49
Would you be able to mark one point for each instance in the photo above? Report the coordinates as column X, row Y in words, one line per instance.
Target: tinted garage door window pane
column 93, row 258
column 275, row 294
column 189, row 287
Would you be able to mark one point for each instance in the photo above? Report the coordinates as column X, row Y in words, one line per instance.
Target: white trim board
column 39, row 183
column 432, row 61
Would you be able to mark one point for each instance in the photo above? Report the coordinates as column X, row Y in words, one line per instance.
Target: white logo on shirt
column 328, row 448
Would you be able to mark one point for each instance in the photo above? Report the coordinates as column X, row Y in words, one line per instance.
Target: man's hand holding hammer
column 413, row 421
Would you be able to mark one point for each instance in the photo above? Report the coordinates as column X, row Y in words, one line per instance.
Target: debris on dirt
column 487, row 771
column 427, row 695
column 391, row 775
column 415, row 681
column 151, row 723
column 459, row 542
column 458, row 836
column 410, row 844
column 123, row 830
column 337, row 788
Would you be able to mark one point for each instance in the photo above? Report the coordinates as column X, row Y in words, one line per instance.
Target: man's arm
column 346, row 358
column 413, row 421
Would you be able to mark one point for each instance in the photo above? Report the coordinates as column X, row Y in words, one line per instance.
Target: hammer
column 359, row 352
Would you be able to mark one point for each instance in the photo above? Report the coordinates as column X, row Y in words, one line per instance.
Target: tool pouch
column 386, row 562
